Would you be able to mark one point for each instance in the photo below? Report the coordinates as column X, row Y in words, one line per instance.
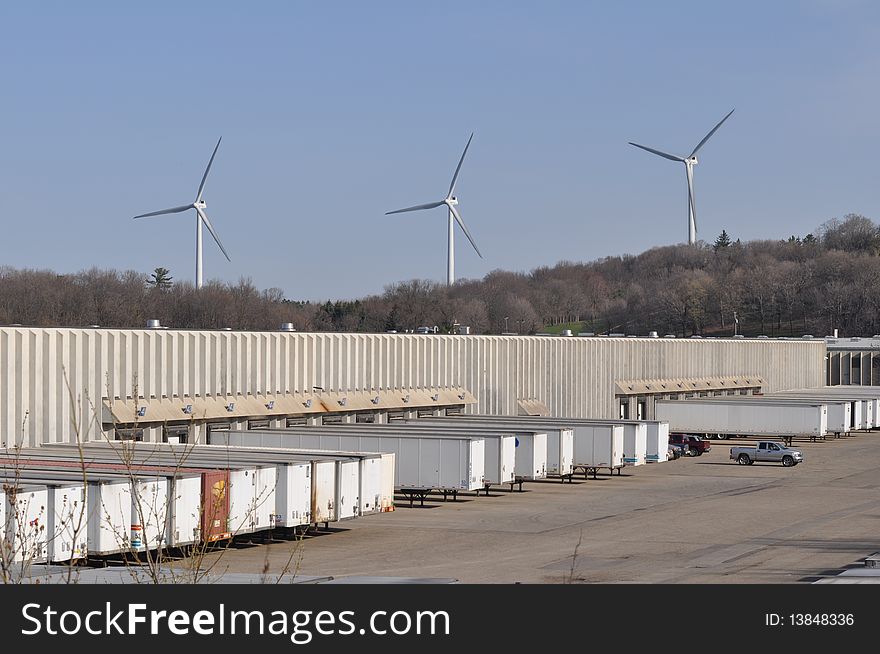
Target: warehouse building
column 853, row 360
column 58, row 384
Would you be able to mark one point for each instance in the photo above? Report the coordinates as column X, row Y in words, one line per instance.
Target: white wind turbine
column 450, row 201
column 201, row 217
column 689, row 162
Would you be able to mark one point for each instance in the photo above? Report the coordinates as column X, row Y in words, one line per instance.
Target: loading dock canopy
column 404, row 398
column 168, row 409
column 687, row 385
column 225, row 407
column 532, row 407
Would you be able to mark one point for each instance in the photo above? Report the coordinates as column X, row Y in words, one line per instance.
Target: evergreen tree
column 160, row 279
column 722, row 241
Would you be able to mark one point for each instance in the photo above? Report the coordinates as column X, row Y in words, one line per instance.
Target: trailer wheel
column 787, row 461
column 744, row 460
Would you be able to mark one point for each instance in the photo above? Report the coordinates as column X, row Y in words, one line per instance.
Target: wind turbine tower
column 201, row 217
column 454, row 216
column 689, row 162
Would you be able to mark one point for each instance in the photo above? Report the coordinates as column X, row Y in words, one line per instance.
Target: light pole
column 520, row 321
column 506, row 318
column 735, row 323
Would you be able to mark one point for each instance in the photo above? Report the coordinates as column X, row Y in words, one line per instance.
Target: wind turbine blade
column 665, row 155
column 164, row 211
column 457, row 168
column 207, row 170
column 418, row 207
column 210, row 227
column 706, row 138
column 464, row 229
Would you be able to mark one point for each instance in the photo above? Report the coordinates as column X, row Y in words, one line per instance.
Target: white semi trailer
column 449, row 463
column 744, row 417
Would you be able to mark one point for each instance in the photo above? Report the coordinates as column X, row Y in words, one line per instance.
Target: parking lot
column 694, row 520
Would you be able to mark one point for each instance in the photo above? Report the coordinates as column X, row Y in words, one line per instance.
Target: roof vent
column 287, row 327
column 652, row 335
column 566, row 332
column 152, row 323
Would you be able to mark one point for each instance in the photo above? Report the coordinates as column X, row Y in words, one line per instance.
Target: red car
column 697, row 445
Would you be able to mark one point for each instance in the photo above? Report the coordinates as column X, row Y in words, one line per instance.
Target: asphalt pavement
column 693, row 520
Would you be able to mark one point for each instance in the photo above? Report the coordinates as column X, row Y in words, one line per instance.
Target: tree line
column 827, row 280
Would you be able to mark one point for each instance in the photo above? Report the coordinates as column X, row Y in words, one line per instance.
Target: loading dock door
column 212, row 426
column 129, row 434
column 175, row 434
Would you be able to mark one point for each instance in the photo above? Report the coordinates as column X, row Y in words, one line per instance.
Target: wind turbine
column 451, row 202
column 689, row 162
column 201, row 217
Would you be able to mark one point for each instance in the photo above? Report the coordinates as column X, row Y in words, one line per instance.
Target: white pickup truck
column 767, row 451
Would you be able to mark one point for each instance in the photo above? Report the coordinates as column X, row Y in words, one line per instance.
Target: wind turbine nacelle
column 691, row 161
column 452, row 200
column 199, row 205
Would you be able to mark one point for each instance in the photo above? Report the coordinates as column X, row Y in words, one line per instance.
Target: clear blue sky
column 333, row 114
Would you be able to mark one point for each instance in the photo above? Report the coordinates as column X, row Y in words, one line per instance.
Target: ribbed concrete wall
column 51, row 379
